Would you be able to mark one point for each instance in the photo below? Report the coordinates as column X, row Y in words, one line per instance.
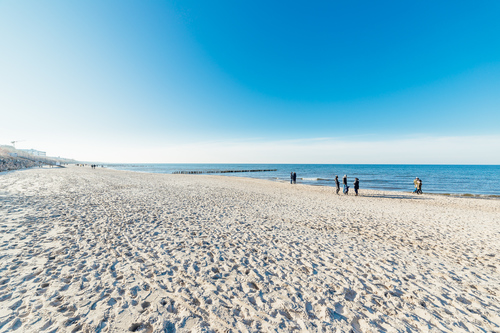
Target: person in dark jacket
column 294, row 178
column 291, row 177
column 356, row 185
column 346, row 188
column 337, row 184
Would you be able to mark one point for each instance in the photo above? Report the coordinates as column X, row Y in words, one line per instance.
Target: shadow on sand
column 395, row 196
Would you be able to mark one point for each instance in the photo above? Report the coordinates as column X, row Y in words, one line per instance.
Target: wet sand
column 112, row 251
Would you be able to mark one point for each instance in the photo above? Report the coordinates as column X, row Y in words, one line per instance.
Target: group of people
column 418, row 185
column 417, row 182
column 346, row 187
column 293, row 180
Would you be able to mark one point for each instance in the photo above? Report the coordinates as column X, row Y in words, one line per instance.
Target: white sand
column 109, row 251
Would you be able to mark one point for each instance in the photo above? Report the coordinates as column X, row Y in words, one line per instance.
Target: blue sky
column 180, row 81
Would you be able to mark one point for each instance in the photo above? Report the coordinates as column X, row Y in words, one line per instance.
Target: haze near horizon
column 257, row 82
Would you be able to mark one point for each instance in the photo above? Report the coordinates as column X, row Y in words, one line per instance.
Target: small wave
column 468, row 195
column 310, row 178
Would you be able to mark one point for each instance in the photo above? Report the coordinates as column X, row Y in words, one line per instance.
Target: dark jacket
column 356, row 184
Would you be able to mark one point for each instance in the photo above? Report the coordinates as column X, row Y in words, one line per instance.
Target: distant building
column 34, row 152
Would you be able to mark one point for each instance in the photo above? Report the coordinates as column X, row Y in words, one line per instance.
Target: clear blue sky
column 103, row 80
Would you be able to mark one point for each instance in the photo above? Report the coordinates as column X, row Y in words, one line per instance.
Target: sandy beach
column 113, row 251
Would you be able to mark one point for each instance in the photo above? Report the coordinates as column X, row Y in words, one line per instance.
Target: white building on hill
column 34, row 152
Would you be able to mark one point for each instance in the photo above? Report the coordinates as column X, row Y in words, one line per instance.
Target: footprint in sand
column 16, row 324
column 141, row 327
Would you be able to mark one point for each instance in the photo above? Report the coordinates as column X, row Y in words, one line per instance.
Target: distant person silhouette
column 419, row 186
column 346, row 188
column 291, row 177
column 294, row 178
column 356, row 185
column 337, row 184
column 415, row 182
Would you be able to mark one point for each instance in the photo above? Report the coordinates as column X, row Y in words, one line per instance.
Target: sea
column 464, row 180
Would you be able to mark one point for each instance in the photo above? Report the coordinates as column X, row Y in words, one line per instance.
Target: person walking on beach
column 415, row 182
column 291, row 177
column 346, row 188
column 419, row 186
column 356, row 185
column 294, row 178
column 337, row 184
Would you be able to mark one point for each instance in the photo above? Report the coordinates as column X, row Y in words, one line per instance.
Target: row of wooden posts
column 219, row 171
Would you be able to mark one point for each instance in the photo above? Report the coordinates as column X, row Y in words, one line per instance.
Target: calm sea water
column 453, row 179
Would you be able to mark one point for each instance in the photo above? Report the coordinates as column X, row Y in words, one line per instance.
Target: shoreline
column 458, row 195
column 453, row 195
